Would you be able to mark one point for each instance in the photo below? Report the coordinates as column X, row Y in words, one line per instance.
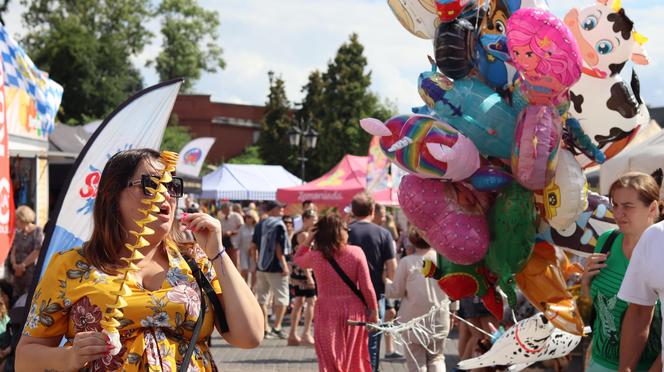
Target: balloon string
column 394, row 327
column 472, row 325
column 514, row 317
column 477, row 15
column 423, row 329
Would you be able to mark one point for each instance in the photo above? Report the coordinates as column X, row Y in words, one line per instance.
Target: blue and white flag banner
column 33, row 98
column 192, row 156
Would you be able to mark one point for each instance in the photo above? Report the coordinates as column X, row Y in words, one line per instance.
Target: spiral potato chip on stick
column 113, row 314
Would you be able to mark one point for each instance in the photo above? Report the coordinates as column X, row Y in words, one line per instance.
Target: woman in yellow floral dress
column 164, row 303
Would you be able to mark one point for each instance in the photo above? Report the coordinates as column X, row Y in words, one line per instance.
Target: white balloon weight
column 529, row 341
column 419, row 17
column 566, row 196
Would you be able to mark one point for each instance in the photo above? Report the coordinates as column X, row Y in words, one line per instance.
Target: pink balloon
column 450, row 215
column 545, row 53
column 536, row 141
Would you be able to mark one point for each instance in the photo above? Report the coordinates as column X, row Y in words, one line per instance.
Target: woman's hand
column 594, row 263
column 87, row 346
column 206, row 230
column 373, row 318
column 19, row 270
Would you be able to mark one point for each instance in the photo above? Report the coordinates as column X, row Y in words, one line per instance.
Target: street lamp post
column 303, row 135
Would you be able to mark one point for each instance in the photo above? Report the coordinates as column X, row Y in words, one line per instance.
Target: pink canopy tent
column 337, row 187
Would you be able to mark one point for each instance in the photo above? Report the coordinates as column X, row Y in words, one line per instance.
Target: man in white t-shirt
column 642, row 286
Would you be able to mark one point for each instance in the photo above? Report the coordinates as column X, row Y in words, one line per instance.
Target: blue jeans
column 374, row 338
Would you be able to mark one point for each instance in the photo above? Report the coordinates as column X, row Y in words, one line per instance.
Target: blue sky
column 294, row 37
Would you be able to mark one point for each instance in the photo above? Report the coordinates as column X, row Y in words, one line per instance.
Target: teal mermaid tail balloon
column 473, row 109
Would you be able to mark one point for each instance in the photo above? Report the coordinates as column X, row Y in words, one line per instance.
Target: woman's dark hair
column 644, row 185
column 417, row 240
column 329, row 237
column 108, row 235
column 8, row 289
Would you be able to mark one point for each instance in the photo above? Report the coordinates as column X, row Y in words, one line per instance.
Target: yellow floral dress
column 157, row 327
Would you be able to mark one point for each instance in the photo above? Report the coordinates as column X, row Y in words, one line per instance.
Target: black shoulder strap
column 608, row 243
column 347, row 280
column 206, row 286
column 184, row 367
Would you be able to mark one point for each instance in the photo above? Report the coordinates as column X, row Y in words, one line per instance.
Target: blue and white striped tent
column 247, row 182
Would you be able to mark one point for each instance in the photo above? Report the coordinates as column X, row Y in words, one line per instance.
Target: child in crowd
column 418, row 295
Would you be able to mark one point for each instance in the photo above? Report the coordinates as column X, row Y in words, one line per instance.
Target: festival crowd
column 333, row 273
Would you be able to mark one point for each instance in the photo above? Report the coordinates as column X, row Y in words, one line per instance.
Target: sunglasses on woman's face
column 175, row 187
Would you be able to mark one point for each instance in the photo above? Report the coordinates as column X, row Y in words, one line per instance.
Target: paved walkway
column 275, row 355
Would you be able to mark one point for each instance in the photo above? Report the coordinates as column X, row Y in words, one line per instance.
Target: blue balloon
column 473, row 109
column 493, row 69
column 490, row 178
column 577, row 139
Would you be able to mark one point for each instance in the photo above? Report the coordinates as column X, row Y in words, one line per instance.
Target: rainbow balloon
column 426, row 147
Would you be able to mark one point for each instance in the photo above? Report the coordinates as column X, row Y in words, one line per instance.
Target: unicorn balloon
column 429, row 148
column 424, row 146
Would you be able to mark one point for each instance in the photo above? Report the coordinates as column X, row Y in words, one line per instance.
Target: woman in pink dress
column 339, row 347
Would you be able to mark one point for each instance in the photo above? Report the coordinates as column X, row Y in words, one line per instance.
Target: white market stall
column 247, row 182
column 644, row 156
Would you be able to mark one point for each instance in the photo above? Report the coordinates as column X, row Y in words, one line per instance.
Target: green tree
column 189, row 41
column 346, row 100
column 86, row 46
column 250, row 155
column 175, row 135
column 312, row 112
column 273, row 141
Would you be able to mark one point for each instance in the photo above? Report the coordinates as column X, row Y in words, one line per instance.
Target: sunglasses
column 175, row 188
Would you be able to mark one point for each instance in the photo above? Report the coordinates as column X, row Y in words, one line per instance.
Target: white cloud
column 294, row 37
column 297, row 37
column 235, row 100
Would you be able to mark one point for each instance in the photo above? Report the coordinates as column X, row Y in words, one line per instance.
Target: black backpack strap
column 608, row 243
column 347, row 280
column 186, row 360
column 205, row 285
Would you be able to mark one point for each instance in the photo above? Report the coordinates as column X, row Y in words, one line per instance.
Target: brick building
column 234, row 126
